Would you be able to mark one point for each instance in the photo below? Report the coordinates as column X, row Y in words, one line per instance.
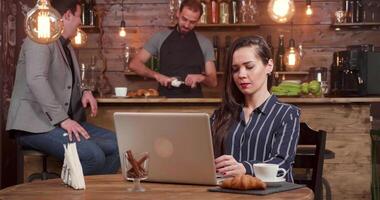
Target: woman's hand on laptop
column 228, row 166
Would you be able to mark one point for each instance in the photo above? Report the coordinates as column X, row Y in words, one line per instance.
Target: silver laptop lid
column 179, row 145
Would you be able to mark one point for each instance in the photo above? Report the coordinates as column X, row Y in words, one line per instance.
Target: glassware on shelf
column 92, row 81
column 324, row 88
column 87, row 74
column 340, row 16
column 252, row 11
column 136, row 169
column 173, row 7
column 126, row 57
column 244, row 12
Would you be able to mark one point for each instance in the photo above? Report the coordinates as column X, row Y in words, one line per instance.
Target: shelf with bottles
column 90, row 29
column 356, row 25
column 229, row 26
column 292, row 73
column 130, row 73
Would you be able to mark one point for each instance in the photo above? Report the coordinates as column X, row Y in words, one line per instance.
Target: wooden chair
column 310, row 157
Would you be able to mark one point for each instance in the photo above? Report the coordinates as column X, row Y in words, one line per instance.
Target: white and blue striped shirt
column 270, row 136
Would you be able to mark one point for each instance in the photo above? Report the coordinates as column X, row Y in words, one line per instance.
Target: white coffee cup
column 268, row 172
column 121, row 91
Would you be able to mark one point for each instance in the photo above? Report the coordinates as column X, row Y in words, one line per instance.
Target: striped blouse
column 270, row 136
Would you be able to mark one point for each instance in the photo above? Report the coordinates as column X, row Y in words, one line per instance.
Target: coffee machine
column 355, row 71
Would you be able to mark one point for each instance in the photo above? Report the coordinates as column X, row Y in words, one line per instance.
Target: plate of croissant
column 143, row 93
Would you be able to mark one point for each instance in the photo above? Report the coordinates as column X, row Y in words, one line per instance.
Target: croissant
column 132, row 94
column 140, row 92
column 151, row 93
column 244, row 182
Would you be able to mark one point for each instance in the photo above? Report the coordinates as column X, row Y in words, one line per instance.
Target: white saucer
column 275, row 182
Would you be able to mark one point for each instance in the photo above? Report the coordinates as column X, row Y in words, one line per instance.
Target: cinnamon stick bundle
column 137, row 170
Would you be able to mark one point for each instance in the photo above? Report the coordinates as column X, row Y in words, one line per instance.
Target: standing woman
column 252, row 126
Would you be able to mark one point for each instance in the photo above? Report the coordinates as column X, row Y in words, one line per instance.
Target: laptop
column 179, row 145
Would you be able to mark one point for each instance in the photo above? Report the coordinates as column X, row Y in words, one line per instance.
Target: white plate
column 275, row 183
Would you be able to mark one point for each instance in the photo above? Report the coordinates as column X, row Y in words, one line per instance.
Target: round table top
column 115, row 187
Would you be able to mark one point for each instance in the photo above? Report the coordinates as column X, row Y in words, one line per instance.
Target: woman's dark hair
column 62, row 6
column 232, row 98
column 194, row 5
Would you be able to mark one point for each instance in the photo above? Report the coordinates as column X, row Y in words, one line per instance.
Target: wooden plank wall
column 143, row 18
column 347, row 128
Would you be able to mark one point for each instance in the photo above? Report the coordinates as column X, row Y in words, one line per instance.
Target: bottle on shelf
column 91, row 13
column 351, row 12
column 243, row 12
column 215, row 40
column 234, row 11
column 83, row 5
column 213, row 12
column 280, row 64
column 203, row 19
column 347, row 10
column 358, row 11
column 224, row 12
column 269, row 42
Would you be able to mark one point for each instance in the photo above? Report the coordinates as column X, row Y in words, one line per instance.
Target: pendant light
column 80, row 39
column 43, row 23
column 281, row 11
column 309, row 11
column 122, row 31
column 292, row 55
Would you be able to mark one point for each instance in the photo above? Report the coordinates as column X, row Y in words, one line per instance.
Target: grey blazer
column 43, row 88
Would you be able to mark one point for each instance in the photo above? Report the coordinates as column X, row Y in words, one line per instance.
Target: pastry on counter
column 144, row 93
column 244, row 182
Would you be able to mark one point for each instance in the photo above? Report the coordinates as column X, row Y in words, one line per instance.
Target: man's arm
column 208, row 78
column 138, row 66
column 37, row 59
column 210, row 75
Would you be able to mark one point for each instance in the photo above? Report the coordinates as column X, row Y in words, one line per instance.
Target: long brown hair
column 232, row 97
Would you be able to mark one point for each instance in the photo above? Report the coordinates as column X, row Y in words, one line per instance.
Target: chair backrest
column 310, row 157
column 375, row 152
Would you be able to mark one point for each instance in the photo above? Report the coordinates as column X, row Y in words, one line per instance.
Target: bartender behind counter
column 184, row 55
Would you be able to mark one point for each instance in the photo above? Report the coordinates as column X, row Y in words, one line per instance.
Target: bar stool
column 21, row 152
column 44, row 175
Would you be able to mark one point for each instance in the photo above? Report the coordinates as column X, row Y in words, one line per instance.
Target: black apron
column 181, row 55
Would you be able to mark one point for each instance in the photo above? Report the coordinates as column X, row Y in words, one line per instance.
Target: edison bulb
column 309, row 11
column 292, row 59
column 122, row 31
column 43, row 23
column 281, row 11
column 80, row 39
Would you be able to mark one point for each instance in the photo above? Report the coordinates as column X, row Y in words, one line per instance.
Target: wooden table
column 115, row 187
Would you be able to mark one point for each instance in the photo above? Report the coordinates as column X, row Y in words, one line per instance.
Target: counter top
column 303, row 100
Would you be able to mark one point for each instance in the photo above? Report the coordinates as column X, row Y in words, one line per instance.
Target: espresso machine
column 355, row 71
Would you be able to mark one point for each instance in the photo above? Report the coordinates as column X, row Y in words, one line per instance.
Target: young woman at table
column 252, row 126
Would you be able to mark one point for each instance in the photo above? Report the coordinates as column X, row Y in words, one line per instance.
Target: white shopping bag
column 72, row 173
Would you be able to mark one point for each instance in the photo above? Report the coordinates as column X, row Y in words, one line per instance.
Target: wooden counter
column 218, row 100
column 346, row 121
